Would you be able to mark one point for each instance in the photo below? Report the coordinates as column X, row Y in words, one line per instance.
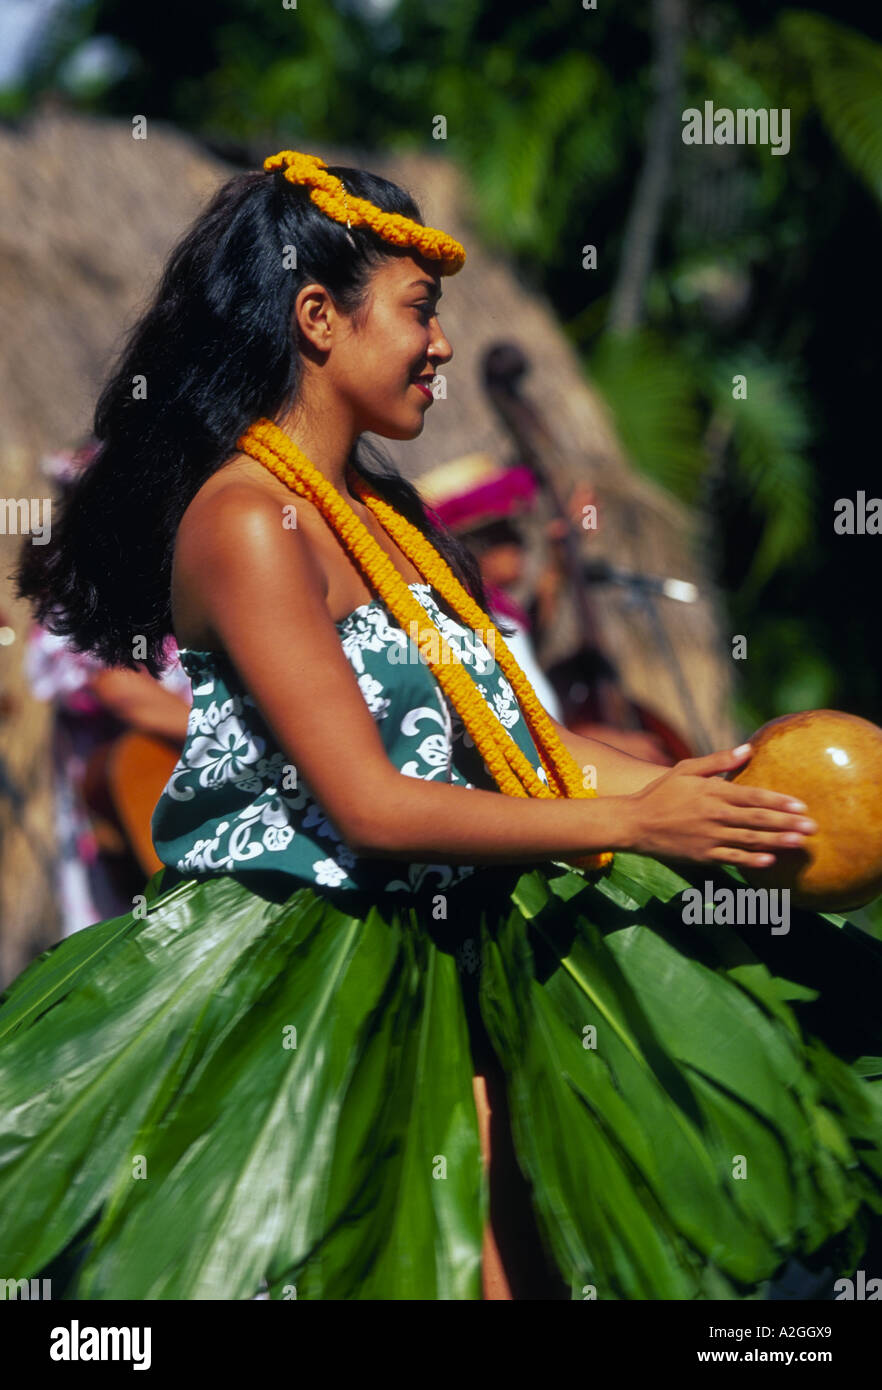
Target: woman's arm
column 142, row 702
column 260, row 590
column 616, row 773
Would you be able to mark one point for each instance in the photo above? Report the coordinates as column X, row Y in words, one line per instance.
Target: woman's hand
column 690, row 813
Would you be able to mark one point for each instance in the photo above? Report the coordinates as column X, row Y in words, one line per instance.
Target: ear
column 315, row 314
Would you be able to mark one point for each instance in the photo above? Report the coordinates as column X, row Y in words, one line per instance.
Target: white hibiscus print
column 214, row 713
column 226, row 755
column 329, row 872
column 503, row 703
column 372, row 691
column 433, row 751
column 370, row 631
column 270, row 811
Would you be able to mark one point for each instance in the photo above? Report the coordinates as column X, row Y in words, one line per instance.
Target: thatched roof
column 87, row 218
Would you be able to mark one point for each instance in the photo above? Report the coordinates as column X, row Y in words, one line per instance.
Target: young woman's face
column 375, row 364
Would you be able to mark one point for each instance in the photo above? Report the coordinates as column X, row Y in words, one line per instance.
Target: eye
column 427, row 309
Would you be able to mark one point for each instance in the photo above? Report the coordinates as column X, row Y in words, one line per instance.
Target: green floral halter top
column 232, row 806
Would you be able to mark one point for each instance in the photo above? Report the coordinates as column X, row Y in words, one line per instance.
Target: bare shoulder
column 236, row 490
column 234, row 520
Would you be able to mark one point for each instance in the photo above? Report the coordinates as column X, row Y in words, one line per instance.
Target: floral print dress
column 235, row 804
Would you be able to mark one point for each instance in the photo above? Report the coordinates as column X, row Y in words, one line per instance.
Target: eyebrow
column 426, row 284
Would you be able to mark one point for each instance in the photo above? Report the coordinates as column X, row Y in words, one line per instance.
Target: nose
column 440, row 350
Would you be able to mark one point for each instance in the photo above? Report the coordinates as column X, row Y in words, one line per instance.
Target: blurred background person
column 482, row 501
column 104, row 788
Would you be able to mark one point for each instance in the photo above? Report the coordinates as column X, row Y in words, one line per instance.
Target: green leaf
column 845, row 69
column 702, row 1138
column 654, row 403
column 771, row 435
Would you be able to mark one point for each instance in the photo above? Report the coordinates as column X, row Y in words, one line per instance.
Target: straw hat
column 470, row 491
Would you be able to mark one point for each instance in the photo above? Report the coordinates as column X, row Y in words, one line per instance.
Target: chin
column 396, row 429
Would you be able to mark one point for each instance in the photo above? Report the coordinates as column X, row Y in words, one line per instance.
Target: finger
column 712, row 763
column 726, row 855
column 764, row 840
column 743, row 795
column 761, row 818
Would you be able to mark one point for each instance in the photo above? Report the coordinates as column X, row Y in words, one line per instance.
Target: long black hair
column 215, row 350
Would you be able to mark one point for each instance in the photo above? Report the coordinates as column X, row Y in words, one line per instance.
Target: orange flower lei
column 510, row 769
column 330, row 196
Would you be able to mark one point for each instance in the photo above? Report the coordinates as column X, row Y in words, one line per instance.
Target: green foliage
column 524, row 168
column 798, row 677
column 660, row 394
column 845, row 72
column 652, row 395
column 546, row 111
column 770, row 434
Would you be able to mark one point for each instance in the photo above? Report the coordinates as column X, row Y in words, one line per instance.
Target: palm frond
column 652, row 396
column 770, row 435
column 845, row 69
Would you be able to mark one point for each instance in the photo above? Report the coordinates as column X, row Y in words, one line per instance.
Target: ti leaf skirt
column 223, row 1088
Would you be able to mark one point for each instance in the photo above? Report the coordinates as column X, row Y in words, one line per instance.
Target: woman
column 268, row 1070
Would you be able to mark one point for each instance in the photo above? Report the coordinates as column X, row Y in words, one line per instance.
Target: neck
column 327, row 443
